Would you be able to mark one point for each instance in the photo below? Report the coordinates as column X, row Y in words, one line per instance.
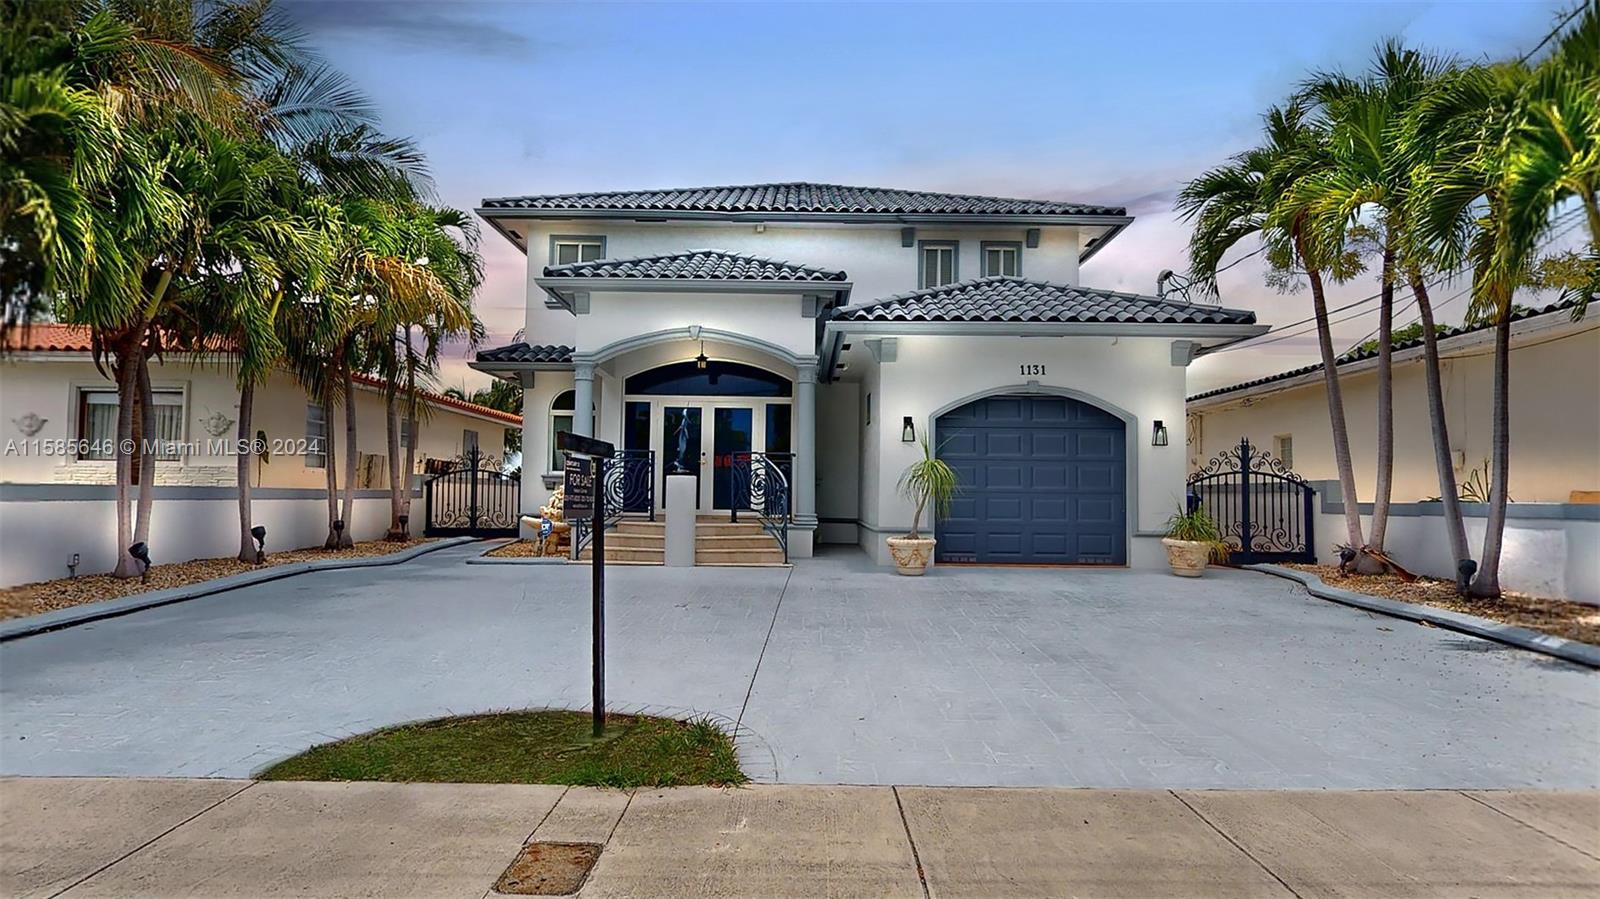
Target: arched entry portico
column 651, row 394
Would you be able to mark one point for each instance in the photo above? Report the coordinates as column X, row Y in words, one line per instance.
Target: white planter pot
column 1188, row 558
column 912, row 555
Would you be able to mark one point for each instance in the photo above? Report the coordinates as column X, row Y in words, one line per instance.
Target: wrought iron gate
column 1264, row 510
column 472, row 497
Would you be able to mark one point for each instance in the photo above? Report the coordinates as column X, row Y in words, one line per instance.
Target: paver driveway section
column 838, row 672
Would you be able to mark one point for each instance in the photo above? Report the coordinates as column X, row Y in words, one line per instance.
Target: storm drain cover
column 548, row 869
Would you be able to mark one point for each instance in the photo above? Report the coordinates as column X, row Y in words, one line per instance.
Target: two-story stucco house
column 832, row 328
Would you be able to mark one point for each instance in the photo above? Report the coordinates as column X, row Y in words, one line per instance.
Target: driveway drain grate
column 548, row 869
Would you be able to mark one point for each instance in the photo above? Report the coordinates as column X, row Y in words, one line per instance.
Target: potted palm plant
column 1192, row 540
column 927, row 480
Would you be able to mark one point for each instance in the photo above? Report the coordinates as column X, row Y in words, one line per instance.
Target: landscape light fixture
column 908, row 431
column 72, row 567
column 700, row 361
column 259, row 532
column 1158, row 436
column 141, row 554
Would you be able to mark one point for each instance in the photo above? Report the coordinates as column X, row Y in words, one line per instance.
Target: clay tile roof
column 697, row 265
column 1011, row 299
column 799, row 197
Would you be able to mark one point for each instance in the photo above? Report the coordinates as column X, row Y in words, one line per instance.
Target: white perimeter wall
column 1134, row 375
column 1549, row 549
column 39, row 536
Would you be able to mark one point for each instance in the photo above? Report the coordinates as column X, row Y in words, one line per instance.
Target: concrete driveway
column 835, row 672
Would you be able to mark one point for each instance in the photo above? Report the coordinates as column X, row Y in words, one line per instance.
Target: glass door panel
column 778, row 447
column 733, row 430
column 680, row 445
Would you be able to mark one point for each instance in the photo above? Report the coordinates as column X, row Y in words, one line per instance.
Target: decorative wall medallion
column 30, row 424
column 217, row 424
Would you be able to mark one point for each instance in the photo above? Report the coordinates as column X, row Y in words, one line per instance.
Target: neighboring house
column 1555, row 416
column 58, row 412
column 835, row 327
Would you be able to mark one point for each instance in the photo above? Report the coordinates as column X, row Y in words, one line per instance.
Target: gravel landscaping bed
column 1558, row 617
column 48, row 596
column 518, row 549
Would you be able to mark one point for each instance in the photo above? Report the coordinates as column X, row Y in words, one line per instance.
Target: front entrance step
column 740, row 557
column 734, row 541
column 625, row 554
column 631, row 526
column 725, row 528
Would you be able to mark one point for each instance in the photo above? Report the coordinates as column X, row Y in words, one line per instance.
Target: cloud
column 435, row 26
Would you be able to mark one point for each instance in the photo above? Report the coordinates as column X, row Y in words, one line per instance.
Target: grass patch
column 530, row 747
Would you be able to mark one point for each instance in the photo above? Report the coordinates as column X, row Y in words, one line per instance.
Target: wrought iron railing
column 627, row 486
column 761, row 487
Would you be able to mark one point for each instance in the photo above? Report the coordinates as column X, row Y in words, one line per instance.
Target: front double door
column 708, row 441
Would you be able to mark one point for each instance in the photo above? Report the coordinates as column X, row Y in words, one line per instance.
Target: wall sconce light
column 908, row 431
column 701, row 360
column 1158, row 436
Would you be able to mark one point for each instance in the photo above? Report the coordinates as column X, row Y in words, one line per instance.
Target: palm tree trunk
column 351, row 459
column 1455, row 526
column 125, row 363
column 411, row 441
column 242, row 455
column 1330, row 380
column 391, row 420
column 330, row 464
column 147, row 451
column 1487, row 583
column 1385, row 484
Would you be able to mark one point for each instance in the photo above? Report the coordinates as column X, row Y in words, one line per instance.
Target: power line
column 1565, row 20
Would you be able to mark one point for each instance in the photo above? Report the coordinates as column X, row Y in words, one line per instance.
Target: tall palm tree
column 1513, row 141
column 1250, row 195
column 1374, row 154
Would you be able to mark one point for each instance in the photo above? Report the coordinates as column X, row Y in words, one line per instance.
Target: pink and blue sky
column 1108, row 103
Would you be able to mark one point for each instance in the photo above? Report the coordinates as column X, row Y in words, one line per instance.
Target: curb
column 1472, row 625
column 17, row 628
column 484, row 558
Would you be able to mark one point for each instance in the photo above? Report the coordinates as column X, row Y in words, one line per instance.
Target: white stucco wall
column 1130, row 376
column 871, row 255
column 839, row 462
column 1546, row 550
column 39, row 537
column 1555, row 419
column 48, row 387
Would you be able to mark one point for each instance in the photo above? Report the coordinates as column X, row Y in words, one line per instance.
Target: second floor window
column 936, row 263
column 1001, row 258
column 566, row 248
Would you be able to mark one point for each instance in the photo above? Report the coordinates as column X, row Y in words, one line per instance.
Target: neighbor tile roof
column 1361, row 353
column 799, row 197
column 710, row 265
column 1010, row 299
column 57, row 338
column 525, row 352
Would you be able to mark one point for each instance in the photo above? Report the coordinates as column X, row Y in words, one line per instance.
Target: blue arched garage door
column 1043, row 480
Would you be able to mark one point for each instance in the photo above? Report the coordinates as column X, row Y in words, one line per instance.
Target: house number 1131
column 1031, row 368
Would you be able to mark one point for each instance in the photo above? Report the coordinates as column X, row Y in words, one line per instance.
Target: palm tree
column 1374, row 154
column 1250, row 196
column 1513, row 142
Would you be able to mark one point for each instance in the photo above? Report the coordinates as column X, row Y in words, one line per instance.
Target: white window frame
column 595, row 244
column 316, row 458
column 1283, row 448
column 1014, row 247
column 162, row 395
column 924, row 247
column 469, row 441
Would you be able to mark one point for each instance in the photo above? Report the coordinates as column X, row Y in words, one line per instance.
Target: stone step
column 727, row 529
column 629, row 526
column 633, row 540
column 625, row 554
column 735, row 541
column 772, row 556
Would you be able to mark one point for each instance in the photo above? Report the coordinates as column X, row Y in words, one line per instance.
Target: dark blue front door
column 1043, row 479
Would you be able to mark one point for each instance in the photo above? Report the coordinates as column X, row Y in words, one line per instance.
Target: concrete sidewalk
column 216, row 838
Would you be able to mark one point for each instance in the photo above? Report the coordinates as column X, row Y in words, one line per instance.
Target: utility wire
column 1565, row 20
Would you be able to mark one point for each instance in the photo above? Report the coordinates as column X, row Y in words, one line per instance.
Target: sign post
column 585, row 495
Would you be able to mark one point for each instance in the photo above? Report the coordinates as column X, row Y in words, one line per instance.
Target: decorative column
column 583, row 399
column 805, row 447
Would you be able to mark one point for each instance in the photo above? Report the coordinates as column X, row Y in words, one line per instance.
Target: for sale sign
column 579, row 488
